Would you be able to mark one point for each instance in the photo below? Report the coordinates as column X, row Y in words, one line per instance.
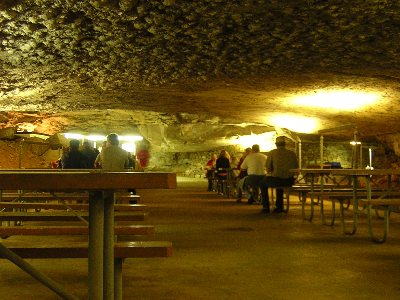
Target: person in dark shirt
column 222, row 165
column 74, row 159
column 90, row 154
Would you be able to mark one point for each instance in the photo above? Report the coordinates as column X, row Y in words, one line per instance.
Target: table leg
column 96, row 242
column 109, row 246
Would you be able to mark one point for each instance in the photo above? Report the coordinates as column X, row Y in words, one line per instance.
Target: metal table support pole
column 55, row 287
column 108, row 246
column 96, row 233
column 118, row 278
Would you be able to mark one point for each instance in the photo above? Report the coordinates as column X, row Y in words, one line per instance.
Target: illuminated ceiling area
column 196, row 75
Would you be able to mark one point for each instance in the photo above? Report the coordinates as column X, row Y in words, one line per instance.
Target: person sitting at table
column 222, row 165
column 255, row 164
column 210, row 171
column 241, row 177
column 279, row 163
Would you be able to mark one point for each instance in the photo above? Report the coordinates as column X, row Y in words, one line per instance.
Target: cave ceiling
column 188, row 73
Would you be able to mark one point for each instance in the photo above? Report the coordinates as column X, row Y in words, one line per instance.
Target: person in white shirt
column 113, row 157
column 255, row 163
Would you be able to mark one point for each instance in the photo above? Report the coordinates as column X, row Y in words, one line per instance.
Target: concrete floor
column 225, row 250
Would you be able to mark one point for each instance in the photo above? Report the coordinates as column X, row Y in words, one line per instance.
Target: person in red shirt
column 210, row 171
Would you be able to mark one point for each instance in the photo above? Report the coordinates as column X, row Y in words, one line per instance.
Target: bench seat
column 59, row 206
column 141, row 249
column 380, row 202
column 70, row 197
column 6, row 231
column 66, row 216
column 387, row 205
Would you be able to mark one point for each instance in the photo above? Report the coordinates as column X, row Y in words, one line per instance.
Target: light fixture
column 96, row 138
column 129, row 147
column 76, row 136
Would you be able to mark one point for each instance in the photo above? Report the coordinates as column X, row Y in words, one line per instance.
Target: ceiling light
column 96, row 138
column 76, row 136
column 129, row 147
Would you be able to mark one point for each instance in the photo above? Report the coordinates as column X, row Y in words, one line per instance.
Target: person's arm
column 97, row 162
column 126, row 163
column 269, row 166
column 243, row 165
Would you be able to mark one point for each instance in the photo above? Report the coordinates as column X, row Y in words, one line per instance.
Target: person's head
column 86, row 145
column 247, row 151
column 113, row 139
column 225, row 154
column 280, row 141
column 213, row 156
column 74, row 144
column 255, row 148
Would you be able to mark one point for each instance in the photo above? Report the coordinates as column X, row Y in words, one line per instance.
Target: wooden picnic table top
column 101, row 221
column 348, row 172
column 93, row 179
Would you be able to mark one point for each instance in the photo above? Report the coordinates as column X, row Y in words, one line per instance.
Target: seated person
column 222, row 165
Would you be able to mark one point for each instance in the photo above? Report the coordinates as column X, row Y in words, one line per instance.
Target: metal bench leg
column 118, row 278
column 55, row 287
column 374, row 238
column 303, row 208
column 286, row 193
column 355, row 219
column 332, row 222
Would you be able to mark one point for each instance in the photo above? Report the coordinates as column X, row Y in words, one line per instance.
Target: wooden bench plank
column 142, row 249
column 380, row 202
column 66, row 216
column 6, row 231
column 348, row 194
column 59, row 206
column 42, row 197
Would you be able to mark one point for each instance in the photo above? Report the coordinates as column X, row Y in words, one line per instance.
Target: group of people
column 257, row 172
column 112, row 157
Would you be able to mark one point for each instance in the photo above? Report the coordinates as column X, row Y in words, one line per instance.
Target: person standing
column 255, row 164
column 90, row 153
column 243, row 172
column 113, row 157
column 74, row 159
column 279, row 163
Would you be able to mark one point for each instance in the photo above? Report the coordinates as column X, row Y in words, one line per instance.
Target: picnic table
column 101, row 210
column 383, row 197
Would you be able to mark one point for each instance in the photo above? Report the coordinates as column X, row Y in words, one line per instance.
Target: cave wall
column 191, row 164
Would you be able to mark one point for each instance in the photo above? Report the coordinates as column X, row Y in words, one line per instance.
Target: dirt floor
column 226, row 250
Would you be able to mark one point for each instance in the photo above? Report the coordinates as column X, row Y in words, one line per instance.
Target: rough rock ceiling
column 191, row 71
